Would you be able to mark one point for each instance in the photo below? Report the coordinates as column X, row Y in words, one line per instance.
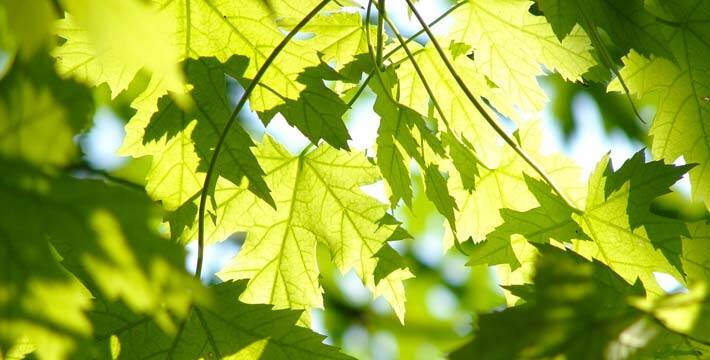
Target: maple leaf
column 110, row 41
column 462, row 117
column 679, row 89
column 552, row 220
column 318, row 200
column 220, row 328
column 103, row 234
column 182, row 141
column 397, row 142
column 504, row 186
column 226, row 28
column 510, row 45
column 625, row 234
column 627, row 23
column 580, row 308
column 339, row 36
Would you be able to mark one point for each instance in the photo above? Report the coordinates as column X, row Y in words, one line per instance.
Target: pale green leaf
column 504, row 187
column 626, row 236
column 110, row 41
column 462, row 116
column 339, row 37
column 552, row 220
column 181, row 142
column 511, row 45
column 318, row 199
column 680, row 91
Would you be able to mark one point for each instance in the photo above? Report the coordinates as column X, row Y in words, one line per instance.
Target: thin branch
column 395, row 49
column 230, row 122
column 606, row 58
column 472, row 98
column 419, row 72
column 380, row 32
column 105, row 175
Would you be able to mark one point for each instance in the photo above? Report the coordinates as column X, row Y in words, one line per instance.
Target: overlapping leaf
column 552, row 220
column 221, row 328
column 461, row 115
column 317, row 199
column 504, row 186
column 625, row 234
column 182, row 142
column 680, row 91
column 105, row 235
column 578, row 308
column 510, row 45
column 627, row 23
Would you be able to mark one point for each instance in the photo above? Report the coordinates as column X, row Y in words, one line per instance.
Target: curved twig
column 606, row 58
column 242, row 101
column 472, row 98
column 396, row 48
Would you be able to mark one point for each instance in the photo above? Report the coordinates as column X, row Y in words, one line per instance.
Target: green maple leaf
column 105, row 235
column 462, row 117
column 221, row 328
column 40, row 113
column 695, row 260
column 182, row 142
column 340, row 36
column 397, row 142
column 552, row 220
column 437, row 191
column 627, row 23
column 625, row 234
column 318, row 200
column 221, row 30
column 110, row 41
column 318, row 111
column 510, row 45
column 578, row 308
column 464, row 159
column 680, row 90
column 504, row 186
column 226, row 28
column 398, row 127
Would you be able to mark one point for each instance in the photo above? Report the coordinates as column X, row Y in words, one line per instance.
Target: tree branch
column 472, row 98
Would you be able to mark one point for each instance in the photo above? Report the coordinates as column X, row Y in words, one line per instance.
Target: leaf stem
column 606, row 58
column 230, row 122
column 84, row 167
column 393, row 51
column 472, row 98
column 419, row 72
column 380, row 32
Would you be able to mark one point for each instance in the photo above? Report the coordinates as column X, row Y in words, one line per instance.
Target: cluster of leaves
column 577, row 261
